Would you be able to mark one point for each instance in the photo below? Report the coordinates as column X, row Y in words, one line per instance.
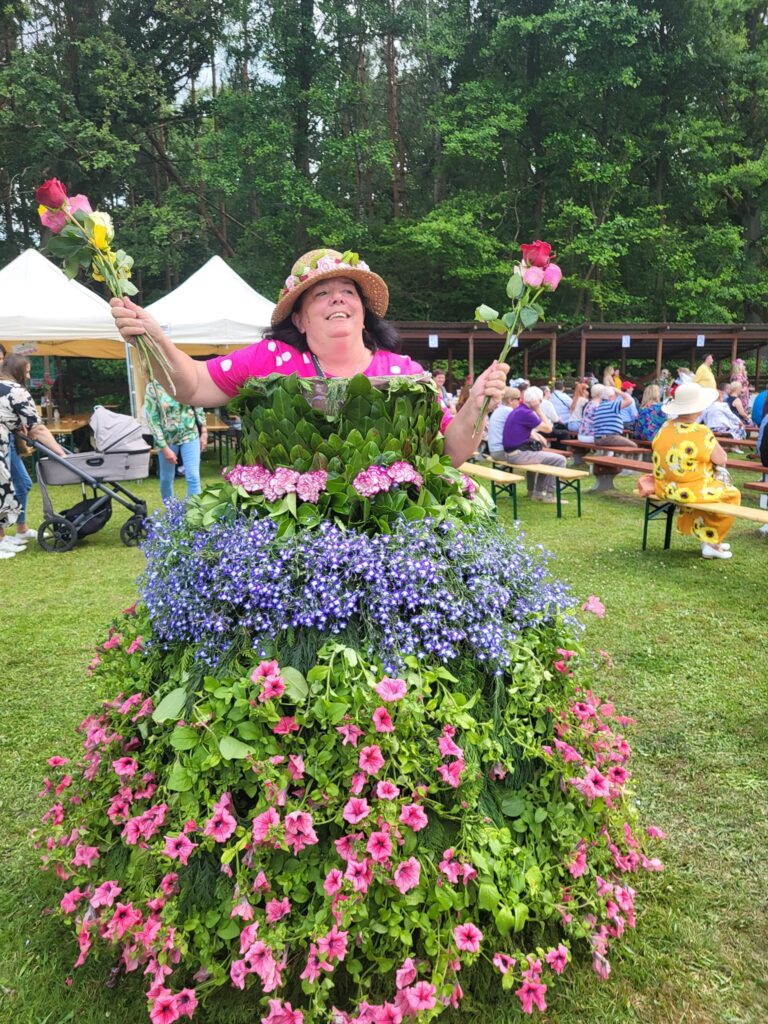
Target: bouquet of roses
column 534, row 274
column 83, row 240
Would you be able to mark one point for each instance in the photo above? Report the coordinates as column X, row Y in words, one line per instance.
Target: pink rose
column 552, row 276
column 533, row 276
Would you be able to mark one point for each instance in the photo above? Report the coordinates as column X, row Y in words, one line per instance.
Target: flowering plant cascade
column 533, row 274
column 82, row 238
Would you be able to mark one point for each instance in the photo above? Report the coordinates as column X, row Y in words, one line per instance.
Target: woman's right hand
column 132, row 320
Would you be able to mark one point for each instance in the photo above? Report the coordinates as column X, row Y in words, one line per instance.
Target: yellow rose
column 103, row 230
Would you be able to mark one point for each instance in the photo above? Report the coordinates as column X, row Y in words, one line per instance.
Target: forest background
column 430, row 135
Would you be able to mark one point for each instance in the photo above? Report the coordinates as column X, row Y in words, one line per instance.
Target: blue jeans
column 22, row 482
column 190, row 454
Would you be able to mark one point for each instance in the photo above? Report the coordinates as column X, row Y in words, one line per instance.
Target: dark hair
column 3, row 350
column 377, row 333
column 15, row 367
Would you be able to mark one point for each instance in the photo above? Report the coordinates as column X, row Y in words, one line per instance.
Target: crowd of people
column 527, row 427
column 531, row 422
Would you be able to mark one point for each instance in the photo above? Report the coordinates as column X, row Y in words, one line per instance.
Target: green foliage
column 430, row 142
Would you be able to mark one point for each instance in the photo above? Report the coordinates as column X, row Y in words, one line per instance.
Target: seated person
column 685, row 458
column 609, row 425
column 587, row 425
column 651, row 416
column 525, row 444
column 510, row 400
column 736, row 405
column 629, row 412
column 720, row 420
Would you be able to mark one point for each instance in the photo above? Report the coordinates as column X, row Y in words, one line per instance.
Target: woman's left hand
column 490, row 384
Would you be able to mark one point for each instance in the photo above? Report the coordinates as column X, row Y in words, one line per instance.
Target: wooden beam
column 659, row 354
column 734, row 349
column 472, row 356
column 757, row 370
column 525, row 363
column 553, row 357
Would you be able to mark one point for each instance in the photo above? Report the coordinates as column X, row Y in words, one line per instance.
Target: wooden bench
column 656, row 508
column 757, row 485
column 565, row 480
column 501, row 481
column 606, row 467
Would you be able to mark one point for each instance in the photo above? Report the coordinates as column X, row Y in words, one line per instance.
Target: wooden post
column 450, row 381
column 583, row 355
column 757, row 368
column 659, row 354
column 472, row 356
column 734, row 349
column 525, row 363
column 553, row 357
column 623, row 370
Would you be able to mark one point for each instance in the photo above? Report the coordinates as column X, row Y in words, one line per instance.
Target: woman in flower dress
column 327, row 323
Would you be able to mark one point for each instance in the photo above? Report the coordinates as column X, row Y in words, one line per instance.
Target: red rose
column 52, row 194
column 537, row 254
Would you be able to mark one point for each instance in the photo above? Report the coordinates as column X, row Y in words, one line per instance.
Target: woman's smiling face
column 331, row 309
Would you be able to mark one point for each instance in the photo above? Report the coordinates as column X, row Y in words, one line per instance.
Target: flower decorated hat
column 320, row 264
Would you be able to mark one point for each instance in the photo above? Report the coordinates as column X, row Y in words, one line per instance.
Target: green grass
column 688, row 643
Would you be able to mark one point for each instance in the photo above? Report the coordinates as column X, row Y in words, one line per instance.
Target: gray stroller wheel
column 57, row 534
column 133, row 531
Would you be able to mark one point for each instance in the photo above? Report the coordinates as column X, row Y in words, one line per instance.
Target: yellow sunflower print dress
column 683, row 471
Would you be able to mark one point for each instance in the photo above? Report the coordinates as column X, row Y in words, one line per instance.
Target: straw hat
column 689, row 397
column 320, row 264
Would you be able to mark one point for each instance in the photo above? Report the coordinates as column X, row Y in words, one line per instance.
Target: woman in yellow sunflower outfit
column 685, row 456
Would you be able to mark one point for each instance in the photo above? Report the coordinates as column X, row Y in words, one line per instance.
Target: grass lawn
column 687, row 638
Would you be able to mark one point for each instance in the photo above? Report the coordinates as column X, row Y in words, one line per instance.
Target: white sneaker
column 8, row 550
column 707, row 551
column 20, row 539
column 764, row 530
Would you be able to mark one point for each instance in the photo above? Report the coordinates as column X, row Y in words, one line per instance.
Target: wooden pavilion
column 591, row 345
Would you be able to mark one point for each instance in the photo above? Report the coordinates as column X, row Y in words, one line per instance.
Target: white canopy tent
column 47, row 314
column 43, row 313
column 213, row 311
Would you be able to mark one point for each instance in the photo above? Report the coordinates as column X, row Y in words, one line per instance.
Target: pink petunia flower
column 382, row 720
column 451, row 773
column 334, row 944
column 371, row 760
column 387, row 790
column 421, row 996
column 391, row 690
column 655, row 833
column 278, row 909
column 164, row 1009
column 359, row 873
column 467, row 937
column 179, row 847
column 125, row 767
column 356, row 809
column 414, row 817
column 85, row 856
column 264, row 823
column 595, row 606
column 503, row 962
column 105, row 894
column 186, row 1002
column 379, row 846
column 286, row 725
column 406, row 974
column 220, row 826
column 333, row 881
column 532, row 993
column 350, row 733
column 407, row 875
column 557, row 958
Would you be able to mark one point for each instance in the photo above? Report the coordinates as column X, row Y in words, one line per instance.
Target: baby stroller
column 121, row 454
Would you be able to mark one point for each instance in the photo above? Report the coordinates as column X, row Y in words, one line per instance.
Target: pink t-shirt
column 268, row 355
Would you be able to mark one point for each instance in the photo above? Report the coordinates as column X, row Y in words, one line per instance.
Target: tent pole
column 131, row 380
